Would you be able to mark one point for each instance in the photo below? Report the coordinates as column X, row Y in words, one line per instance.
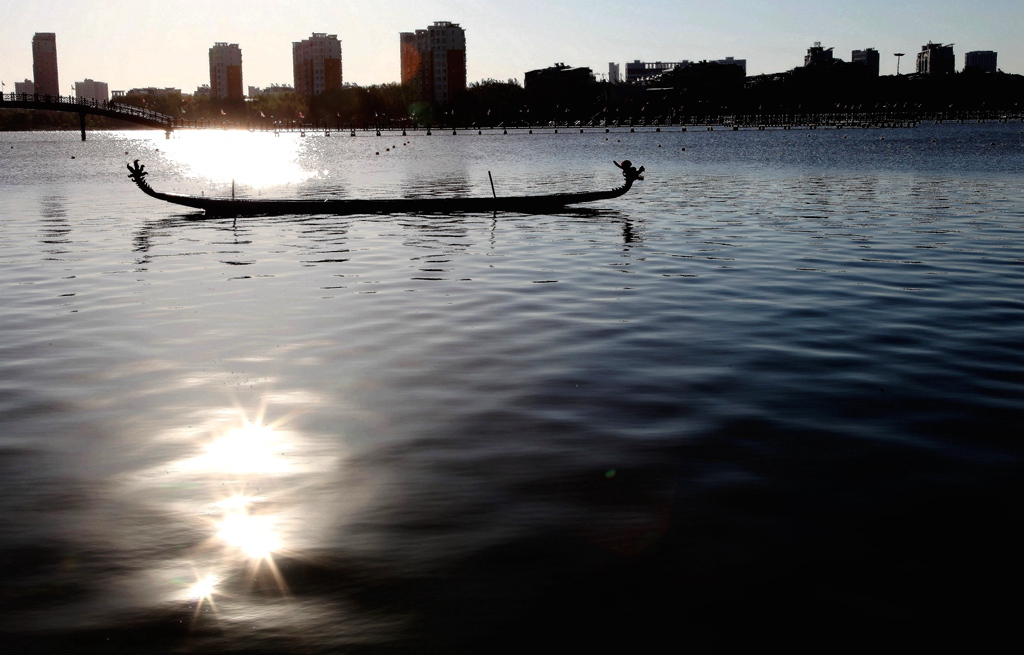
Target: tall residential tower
column 226, row 71
column 434, row 61
column 316, row 63
column 44, row 63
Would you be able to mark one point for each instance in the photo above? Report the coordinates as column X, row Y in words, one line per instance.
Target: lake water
column 773, row 395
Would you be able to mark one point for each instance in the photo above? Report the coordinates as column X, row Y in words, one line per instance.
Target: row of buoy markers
column 393, row 147
column 709, row 128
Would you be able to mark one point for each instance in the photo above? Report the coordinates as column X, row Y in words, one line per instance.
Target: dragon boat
column 214, row 206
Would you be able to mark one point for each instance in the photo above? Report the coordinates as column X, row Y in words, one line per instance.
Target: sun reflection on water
column 256, row 161
column 203, row 589
column 234, row 486
column 252, row 448
column 253, row 534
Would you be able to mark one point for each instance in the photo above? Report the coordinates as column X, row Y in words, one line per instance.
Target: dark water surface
column 775, row 395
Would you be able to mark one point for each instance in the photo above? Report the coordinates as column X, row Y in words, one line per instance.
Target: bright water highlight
column 772, row 395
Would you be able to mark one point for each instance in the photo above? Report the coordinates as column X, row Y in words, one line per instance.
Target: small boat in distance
column 439, row 205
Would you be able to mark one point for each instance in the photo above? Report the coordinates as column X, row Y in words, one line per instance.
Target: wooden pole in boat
column 493, row 193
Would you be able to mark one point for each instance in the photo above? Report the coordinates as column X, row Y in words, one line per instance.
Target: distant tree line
column 702, row 91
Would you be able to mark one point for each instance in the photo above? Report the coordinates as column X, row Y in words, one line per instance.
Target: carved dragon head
column 137, row 173
column 630, row 172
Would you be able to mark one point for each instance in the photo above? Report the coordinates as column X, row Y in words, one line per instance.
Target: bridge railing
column 107, row 105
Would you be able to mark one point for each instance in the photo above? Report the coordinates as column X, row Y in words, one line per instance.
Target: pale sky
column 140, row 43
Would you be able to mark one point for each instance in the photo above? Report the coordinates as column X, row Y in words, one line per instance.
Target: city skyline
column 141, row 45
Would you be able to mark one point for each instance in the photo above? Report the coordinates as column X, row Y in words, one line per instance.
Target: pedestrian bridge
column 87, row 106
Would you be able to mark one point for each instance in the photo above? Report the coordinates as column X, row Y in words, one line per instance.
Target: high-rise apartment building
column 44, row 63
column 935, row 59
column 980, row 60
column 92, row 90
column 434, row 61
column 316, row 63
column 226, row 71
column 869, row 58
column 28, row 86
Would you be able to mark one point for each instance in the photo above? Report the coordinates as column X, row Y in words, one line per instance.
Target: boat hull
column 336, row 206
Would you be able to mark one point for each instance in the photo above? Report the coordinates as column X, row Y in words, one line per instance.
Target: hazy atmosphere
column 165, row 44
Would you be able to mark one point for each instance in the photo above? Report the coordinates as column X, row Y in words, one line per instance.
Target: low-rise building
column 936, row 59
column 644, row 71
column 980, row 60
column 556, row 78
column 639, row 71
column 869, row 58
column 818, row 56
column 92, row 90
column 28, row 87
column 255, row 91
column 156, row 92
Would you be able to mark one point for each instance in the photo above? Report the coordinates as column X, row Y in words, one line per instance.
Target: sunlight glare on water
column 257, row 161
column 253, row 448
column 254, row 535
